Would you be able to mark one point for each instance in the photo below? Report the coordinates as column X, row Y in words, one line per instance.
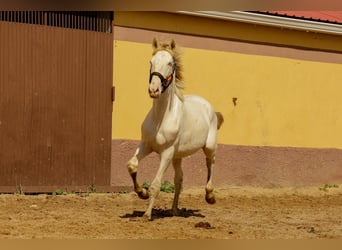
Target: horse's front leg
column 132, row 165
column 165, row 159
column 177, row 164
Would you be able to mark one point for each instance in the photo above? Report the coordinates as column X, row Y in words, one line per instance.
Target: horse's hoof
column 175, row 212
column 143, row 194
column 147, row 217
column 210, row 198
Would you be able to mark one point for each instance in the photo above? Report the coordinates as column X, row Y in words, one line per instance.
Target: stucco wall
column 280, row 101
column 284, row 128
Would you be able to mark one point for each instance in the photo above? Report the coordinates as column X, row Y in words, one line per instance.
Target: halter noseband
column 164, row 81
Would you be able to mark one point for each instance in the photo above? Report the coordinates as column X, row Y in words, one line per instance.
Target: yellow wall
column 132, row 102
column 280, row 102
column 211, row 27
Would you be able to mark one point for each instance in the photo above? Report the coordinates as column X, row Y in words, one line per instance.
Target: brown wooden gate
column 55, row 107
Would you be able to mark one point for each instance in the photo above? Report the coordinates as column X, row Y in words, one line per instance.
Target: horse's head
column 163, row 67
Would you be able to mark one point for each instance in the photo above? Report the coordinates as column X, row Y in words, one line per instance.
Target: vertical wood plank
column 55, row 105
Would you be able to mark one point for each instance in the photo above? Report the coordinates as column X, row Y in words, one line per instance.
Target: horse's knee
column 210, row 159
column 132, row 165
column 154, row 188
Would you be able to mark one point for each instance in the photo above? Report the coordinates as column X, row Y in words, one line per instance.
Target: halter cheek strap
column 164, row 81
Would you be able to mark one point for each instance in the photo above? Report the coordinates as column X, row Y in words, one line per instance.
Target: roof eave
column 275, row 21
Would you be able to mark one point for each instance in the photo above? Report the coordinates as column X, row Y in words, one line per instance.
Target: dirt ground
column 240, row 213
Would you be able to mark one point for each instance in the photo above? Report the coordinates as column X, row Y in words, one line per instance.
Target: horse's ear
column 154, row 43
column 173, row 44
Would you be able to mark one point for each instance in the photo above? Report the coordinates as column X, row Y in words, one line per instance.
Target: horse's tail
column 220, row 119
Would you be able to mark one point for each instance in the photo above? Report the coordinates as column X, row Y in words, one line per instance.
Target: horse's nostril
column 154, row 91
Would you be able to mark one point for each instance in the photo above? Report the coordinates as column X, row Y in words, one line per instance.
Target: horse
column 176, row 126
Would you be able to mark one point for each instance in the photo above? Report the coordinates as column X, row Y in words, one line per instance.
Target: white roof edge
column 270, row 20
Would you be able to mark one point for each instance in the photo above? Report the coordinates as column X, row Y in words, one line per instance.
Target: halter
column 164, row 81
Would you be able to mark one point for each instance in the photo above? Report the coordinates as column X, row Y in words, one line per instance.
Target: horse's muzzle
column 154, row 93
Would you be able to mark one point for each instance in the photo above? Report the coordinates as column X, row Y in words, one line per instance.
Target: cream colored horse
column 175, row 127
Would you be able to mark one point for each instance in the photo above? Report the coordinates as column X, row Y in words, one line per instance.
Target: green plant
column 145, row 185
column 92, row 188
column 166, row 187
column 326, row 187
column 57, row 192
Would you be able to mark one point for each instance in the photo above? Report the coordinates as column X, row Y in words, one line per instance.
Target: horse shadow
column 160, row 213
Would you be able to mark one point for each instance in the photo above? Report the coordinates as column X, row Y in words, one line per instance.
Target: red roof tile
column 319, row 16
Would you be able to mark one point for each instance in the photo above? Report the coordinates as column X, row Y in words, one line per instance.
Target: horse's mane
column 175, row 52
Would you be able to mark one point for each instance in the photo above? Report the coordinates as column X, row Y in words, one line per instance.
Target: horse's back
column 199, row 105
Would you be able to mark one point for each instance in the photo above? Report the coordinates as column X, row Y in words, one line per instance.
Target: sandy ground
column 240, row 213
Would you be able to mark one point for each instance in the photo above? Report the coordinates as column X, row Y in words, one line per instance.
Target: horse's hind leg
column 177, row 164
column 210, row 151
column 210, row 197
column 132, row 166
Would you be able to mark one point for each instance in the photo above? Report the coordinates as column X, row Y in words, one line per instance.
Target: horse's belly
column 189, row 145
column 193, row 134
column 183, row 152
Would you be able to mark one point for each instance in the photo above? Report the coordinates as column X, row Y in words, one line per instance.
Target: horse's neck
column 164, row 105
